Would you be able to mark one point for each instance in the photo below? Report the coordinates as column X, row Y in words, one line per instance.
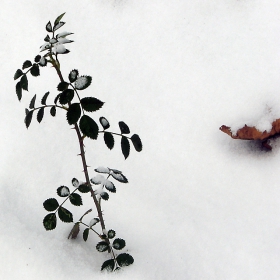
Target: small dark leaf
column 65, row 215
column 62, row 86
column 66, row 96
column 102, row 246
column 24, row 82
column 50, row 204
column 109, row 140
column 124, row 128
column 76, row 199
column 104, row 195
column 136, row 141
column 125, row 147
column 73, row 113
column 83, row 82
column 111, row 234
column 53, row 111
column 18, row 74
column 58, row 25
column 35, row 71
column 75, row 183
column 73, row 75
column 47, row 38
column 84, row 188
column 40, row 114
column 49, row 221
column 91, row 104
column 37, row 58
column 19, row 90
column 49, row 27
column 85, row 234
column 104, row 122
column 32, row 102
column 108, row 265
column 56, row 98
column 26, row 111
column 74, row 231
column 43, row 62
column 118, row 244
column 44, row 98
column 26, row 64
column 58, row 19
column 88, row 127
column 63, row 191
column 125, row 259
column 28, row 118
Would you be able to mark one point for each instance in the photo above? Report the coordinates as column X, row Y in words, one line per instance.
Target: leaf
column 104, row 122
column 63, row 191
column 43, row 62
column 50, row 204
column 111, row 234
column 109, row 140
column 102, row 246
column 136, row 141
column 47, row 38
column 74, row 231
column 84, row 188
column 73, row 113
column 18, row 74
column 28, row 118
column 66, row 96
column 125, row 147
column 37, row 58
column 49, row 221
column 85, row 234
column 58, row 25
column 91, row 104
column 104, row 195
column 62, row 86
column 35, row 71
column 125, row 259
column 118, row 244
column 101, row 169
column 44, row 98
column 49, row 27
column 76, row 199
column 26, row 64
column 56, row 98
column 93, row 222
column 24, row 82
column 83, row 82
column 110, row 186
column 88, row 127
column 75, row 183
column 57, row 20
column 40, row 114
column 98, row 179
column 32, row 102
column 53, row 111
column 119, row 177
column 108, row 265
column 65, row 215
column 73, row 75
column 124, row 128
column 19, row 90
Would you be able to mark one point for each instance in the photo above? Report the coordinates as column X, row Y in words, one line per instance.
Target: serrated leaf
column 58, row 25
column 43, row 62
column 104, row 195
column 119, row 177
column 50, row 204
column 18, row 74
column 62, row 86
column 49, row 27
column 91, row 104
column 44, row 98
column 85, row 234
column 76, row 199
column 49, row 221
column 73, row 75
column 102, row 246
column 108, row 265
column 19, row 90
column 53, row 111
column 109, row 140
column 124, row 128
column 109, row 186
column 37, row 58
column 84, row 188
column 101, row 169
column 125, row 259
column 32, row 102
column 118, row 244
column 104, row 122
column 66, row 96
column 63, row 191
column 74, row 231
column 136, row 141
column 58, row 19
column 35, row 71
column 111, row 234
column 40, row 114
column 28, row 118
column 88, row 127
column 125, row 147
column 83, row 82
column 24, row 82
column 65, row 215
column 26, row 64
column 73, row 113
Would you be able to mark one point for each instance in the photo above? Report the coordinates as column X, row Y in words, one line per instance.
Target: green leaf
column 50, row 204
column 111, row 234
column 49, row 221
column 125, row 147
column 74, row 231
column 18, row 74
column 24, row 82
column 125, row 259
column 104, row 122
column 35, row 71
column 63, row 191
column 91, row 104
column 109, row 140
column 37, row 58
column 65, row 215
column 73, row 113
column 118, row 244
column 62, row 86
column 124, row 128
column 49, row 27
column 28, row 118
column 44, row 98
column 32, row 102
column 136, row 141
column 73, row 75
column 104, row 195
column 40, row 114
column 66, row 96
column 85, row 234
column 53, row 111
column 26, row 64
column 102, row 246
column 76, row 199
column 58, row 19
column 83, row 82
column 58, row 25
column 19, row 90
column 84, row 188
column 108, row 265
column 88, row 127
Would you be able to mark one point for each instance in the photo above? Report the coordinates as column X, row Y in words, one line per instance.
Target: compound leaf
column 124, row 128
column 40, row 114
column 73, row 113
column 109, row 140
column 49, row 221
column 136, row 141
column 125, row 259
column 18, row 74
column 125, row 147
column 108, row 265
column 44, row 98
column 83, row 82
column 65, row 215
column 88, row 127
column 91, row 104
column 76, row 199
column 102, row 246
column 118, row 244
column 50, row 204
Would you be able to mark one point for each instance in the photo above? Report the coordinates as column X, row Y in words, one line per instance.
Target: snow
column 199, row 204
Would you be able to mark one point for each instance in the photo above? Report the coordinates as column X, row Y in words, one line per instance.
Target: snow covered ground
column 199, row 205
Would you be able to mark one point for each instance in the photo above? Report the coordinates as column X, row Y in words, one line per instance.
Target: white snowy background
column 199, row 205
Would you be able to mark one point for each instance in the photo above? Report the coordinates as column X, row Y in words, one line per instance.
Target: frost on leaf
column 104, row 122
column 63, row 191
column 83, row 82
column 102, row 246
column 109, row 186
column 98, row 179
column 75, row 183
column 93, row 222
column 101, row 169
column 119, row 177
column 43, row 61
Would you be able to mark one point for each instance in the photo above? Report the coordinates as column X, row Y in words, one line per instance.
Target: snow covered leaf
column 58, row 19
column 116, row 171
column 118, row 244
column 75, row 183
column 63, row 191
column 136, row 141
column 28, row 118
column 18, row 74
column 32, row 102
column 124, row 128
column 49, row 221
column 109, row 140
column 53, row 111
column 73, row 113
column 58, row 25
column 93, row 222
column 101, row 169
column 76, row 199
column 74, row 231
column 102, row 246
column 73, row 75
column 108, row 265
column 109, row 186
column 47, row 38
column 85, row 234
column 65, row 215
column 19, row 91
column 119, row 177
column 50, row 204
column 98, row 179
column 111, row 234
column 83, row 82
column 125, row 147
column 35, row 71
column 66, row 96
column 104, row 122
column 44, row 98
column 63, row 34
column 26, row 64
column 24, row 82
column 91, row 104
column 49, row 27
column 104, row 195
column 62, row 86
column 43, row 62
column 40, row 114
column 88, row 127
column 125, row 259
column 84, row 188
